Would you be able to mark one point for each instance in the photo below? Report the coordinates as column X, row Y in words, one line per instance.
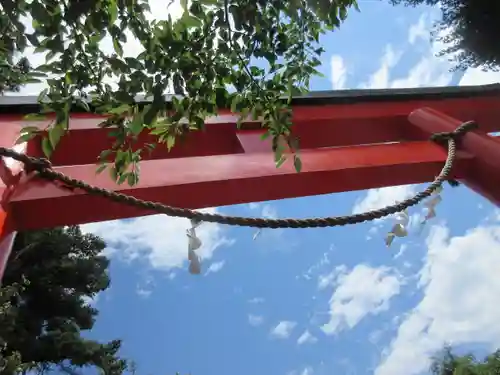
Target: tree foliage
column 470, row 30
column 244, row 54
column 44, row 306
column 16, row 75
column 448, row 363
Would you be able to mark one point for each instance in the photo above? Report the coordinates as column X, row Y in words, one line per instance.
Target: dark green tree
column 448, row 363
column 15, row 75
column 470, row 28
column 44, row 298
column 15, row 70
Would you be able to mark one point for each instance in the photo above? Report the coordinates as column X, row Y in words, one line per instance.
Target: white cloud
column 283, row 330
column 159, row 239
column 338, row 72
column 145, row 288
column 269, row 212
column 380, row 79
column 420, row 30
column 256, row 300
column 92, row 301
column 254, row 205
column 382, row 197
column 255, row 320
column 365, row 290
column 429, row 71
column 330, row 279
column 215, row 267
column 305, row 371
column 477, row 76
column 306, row 338
column 401, row 251
column 459, row 306
column 316, row 267
column 266, row 236
column 144, row 293
column 266, row 210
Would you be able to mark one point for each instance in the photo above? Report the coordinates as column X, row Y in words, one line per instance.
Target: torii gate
column 350, row 140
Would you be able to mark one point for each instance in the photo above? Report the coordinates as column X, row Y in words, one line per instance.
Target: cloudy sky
column 315, row 302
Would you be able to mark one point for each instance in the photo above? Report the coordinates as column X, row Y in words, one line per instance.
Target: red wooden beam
column 483, row 176
column 329, row 125
column 209, row 181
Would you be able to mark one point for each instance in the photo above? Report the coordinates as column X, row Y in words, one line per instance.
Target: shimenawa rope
column 44, row 169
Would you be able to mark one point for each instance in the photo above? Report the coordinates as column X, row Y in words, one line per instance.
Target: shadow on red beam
column 231, row 179
column 330, row 125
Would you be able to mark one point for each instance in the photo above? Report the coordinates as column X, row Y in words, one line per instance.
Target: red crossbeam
column 329, row 125
column 228, row 179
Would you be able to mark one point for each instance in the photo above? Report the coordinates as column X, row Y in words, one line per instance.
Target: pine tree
column 50, row 278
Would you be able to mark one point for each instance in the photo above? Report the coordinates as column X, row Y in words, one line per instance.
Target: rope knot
column 457, row 134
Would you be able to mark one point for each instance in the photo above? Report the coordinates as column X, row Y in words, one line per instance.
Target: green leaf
column 170, row 142
column 113, row 11
column 256, row 71
column 234, row 103
column 123, row 177
column 121, row 109
column 134, row 63
column 47, row 147
column 26, row 137
column 113, row 173
column 104, row 154
column 190, row 21
column 343, row 12
column 101, row 168
column 42, row 95
column 117, row 46
column 83, row 104
column 55, row 134
column 136, row 125
column 132, row 179
column 29, row 129
column 281, row 160
column 297, row 163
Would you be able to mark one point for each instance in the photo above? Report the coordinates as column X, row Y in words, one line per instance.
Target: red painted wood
column 316, row 126
column 229, row 179
column 10, row 174
column 483, row 174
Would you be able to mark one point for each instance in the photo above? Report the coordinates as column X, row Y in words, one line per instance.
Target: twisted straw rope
column 44, row 169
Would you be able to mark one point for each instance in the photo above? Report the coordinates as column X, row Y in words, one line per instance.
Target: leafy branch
column 200, row 57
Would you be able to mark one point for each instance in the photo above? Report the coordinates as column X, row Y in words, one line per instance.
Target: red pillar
column 11, row 172
column 483, row 172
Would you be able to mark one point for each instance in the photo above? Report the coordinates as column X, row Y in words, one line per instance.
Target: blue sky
column 315, row 302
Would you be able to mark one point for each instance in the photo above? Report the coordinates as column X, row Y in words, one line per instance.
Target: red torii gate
column 350, row 140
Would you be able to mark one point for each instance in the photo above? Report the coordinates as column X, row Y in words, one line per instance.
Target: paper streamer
column 400, row 228
column 194, row 243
